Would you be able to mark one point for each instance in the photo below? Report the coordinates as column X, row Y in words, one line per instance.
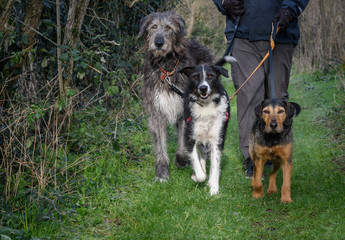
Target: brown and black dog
column 271, row 140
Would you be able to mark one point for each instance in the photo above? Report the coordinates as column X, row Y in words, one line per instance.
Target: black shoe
column 249, row 173
column 268, row 164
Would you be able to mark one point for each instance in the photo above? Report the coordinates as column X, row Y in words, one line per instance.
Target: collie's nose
column 159, row 41
column 273, row 124
column 203, row 89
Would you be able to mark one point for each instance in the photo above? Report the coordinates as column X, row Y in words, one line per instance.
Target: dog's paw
column 181, row 161
column 271, row 191
column 199, row 178
column 214, row 191
column 286, row 200
column 161, row 180
column 257, row 195
column 193, row 177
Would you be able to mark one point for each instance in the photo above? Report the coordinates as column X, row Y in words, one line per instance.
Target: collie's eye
column 196, row 77
column 209, row 76
column 266, row 112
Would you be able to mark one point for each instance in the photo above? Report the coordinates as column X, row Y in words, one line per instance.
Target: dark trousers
column 249, row 55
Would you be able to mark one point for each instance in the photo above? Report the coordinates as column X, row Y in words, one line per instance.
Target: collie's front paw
column 214, row 191
column 196, row 178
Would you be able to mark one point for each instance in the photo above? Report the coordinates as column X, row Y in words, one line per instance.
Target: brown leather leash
column 262, row 61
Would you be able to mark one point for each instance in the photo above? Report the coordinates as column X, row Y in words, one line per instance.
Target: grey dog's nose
column 159, row 41
column 273, row 124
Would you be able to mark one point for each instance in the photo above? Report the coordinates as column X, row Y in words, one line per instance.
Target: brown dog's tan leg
column 272, row 188
column 257, row 181
column 285, row 192
column 253, row 175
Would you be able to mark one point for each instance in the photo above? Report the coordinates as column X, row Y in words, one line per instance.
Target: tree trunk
column 28, row 82
column 76, row 14
column 5, row 9
column 58, row 49
column 32, row 16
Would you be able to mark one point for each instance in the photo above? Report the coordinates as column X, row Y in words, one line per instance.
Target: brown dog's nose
column 273, row 124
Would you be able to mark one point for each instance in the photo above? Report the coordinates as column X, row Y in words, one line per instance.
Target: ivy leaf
column 81, row 74
column 98, row 66
column 83, row 65
column 44, row 62
column 25, row 39
column 64, row 57
column 76, row 55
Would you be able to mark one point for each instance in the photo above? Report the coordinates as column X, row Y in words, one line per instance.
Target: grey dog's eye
column 154, row 26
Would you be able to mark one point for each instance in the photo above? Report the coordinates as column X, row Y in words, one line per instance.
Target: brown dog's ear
column 143, row 25
column 293, row 109
column 187, row 71
column 257, row 110
column 221, row 70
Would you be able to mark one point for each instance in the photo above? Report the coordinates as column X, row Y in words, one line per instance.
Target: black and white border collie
column 206, row 111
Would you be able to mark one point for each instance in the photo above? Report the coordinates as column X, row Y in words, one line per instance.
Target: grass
column 127, row 204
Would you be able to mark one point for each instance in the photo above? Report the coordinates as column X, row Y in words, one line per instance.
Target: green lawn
column 133, row 206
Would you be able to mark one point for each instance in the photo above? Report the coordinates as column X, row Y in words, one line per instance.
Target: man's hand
column 283, row 17
column 233, row 8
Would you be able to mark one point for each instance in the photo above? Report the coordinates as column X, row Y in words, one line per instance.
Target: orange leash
column 262, row 61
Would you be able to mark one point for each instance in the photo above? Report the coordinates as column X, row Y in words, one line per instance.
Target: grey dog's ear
column 221, row 70
column 187, row 71
column 143, row 25
column 181, row 24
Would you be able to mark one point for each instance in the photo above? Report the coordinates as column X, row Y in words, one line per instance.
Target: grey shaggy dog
column 167, row 50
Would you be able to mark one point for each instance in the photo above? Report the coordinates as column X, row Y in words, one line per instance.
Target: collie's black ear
column 257, row 110
column 187, row 71
column 221, row 70
column 293, row 109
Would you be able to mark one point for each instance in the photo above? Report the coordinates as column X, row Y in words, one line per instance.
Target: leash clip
column 167, row 79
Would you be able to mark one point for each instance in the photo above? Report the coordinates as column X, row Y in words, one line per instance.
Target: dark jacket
column 256, row 23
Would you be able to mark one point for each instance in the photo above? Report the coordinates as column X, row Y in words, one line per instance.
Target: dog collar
column 166, row 73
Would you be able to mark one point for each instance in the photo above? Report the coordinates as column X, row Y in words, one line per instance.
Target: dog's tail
column 226, row 59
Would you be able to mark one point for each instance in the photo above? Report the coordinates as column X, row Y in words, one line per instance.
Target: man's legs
column 248, row 58
column 282, row 63
column 249, row 55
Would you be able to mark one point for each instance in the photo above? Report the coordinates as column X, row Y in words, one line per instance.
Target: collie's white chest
column 208, row 121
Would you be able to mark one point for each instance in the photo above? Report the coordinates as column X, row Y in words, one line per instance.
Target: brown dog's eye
column 266, row 112
column 281, row 111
